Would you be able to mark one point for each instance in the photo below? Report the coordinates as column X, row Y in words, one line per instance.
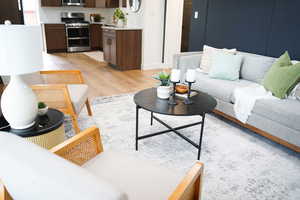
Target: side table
column 47, row 132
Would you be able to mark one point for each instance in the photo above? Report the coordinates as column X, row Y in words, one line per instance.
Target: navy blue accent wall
column 267, row 27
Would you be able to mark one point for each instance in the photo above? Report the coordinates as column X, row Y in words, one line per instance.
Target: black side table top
column 148, row 100
column 44, row 124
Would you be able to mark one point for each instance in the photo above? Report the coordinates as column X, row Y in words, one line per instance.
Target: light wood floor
column 102, row 79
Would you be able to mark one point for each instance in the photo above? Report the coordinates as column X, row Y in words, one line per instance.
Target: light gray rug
column 238, row 163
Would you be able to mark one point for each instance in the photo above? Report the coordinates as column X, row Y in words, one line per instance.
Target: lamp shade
column 20, row 49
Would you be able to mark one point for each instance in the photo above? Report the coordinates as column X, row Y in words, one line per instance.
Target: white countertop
column 97, row 23
column 122, row 28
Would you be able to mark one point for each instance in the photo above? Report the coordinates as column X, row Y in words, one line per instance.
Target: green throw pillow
column 282, row 77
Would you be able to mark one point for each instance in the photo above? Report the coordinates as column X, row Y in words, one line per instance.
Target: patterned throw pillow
column 208, row 54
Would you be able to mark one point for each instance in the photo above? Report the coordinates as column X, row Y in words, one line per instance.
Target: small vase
column 120, row 23
column 163, row 92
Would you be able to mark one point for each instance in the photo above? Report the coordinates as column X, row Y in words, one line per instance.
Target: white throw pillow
column 208, row 54
column 295, row 94
column 30, row 172
column 226, row 66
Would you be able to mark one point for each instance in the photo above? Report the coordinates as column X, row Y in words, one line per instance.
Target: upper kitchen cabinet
column 90, row 3
column 107, row 3
column 51, row 3
column 124, row 3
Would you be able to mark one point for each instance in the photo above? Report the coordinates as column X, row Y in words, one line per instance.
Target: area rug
column 239, row 164
column 95, row 55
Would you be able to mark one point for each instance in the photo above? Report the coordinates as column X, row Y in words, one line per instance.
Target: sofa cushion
column 141, row 179
column 221, row 89
column 286, row 112
column 208, row 54
column 31, row 172
column 255, row 67
column 78, row 94
column 226, row 66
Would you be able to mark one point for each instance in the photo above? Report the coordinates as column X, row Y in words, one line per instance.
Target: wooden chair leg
column 75, row 123
column 88, row 107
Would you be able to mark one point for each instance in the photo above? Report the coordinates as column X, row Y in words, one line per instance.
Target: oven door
column 73, row 2
column 78, row 39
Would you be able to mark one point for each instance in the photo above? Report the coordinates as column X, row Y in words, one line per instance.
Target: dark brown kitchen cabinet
column 96, row 36
column 124, row 3
column 51, row 3
column 107, row 3
column 123, row 48
column 55, row 37
column 90, row 3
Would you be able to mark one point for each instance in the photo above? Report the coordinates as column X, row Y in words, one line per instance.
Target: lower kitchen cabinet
column 123, row 48
column 55, row 38
column 96, row 36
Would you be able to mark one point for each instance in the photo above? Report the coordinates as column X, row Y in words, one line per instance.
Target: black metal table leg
column 151, row 123
column 137, row 127
column 201, row 134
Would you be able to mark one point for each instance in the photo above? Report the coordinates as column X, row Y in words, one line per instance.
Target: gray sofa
column 278, row 120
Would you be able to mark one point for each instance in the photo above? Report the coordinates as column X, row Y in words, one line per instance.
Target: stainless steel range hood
column 73, row 2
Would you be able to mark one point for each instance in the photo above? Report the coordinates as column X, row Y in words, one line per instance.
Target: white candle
column 190, row 75
column 175, row 75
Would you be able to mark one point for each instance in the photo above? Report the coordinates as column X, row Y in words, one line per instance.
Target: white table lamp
column 20, row 53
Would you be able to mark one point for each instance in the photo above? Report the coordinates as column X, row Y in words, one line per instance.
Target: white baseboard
column 156, row 66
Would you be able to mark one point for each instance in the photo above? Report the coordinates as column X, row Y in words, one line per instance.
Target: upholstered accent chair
column 87, row 172
column 64, row 90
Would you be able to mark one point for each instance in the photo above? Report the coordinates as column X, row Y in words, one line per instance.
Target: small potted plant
column 119, row 18
column 43, row 108
column 164, row 89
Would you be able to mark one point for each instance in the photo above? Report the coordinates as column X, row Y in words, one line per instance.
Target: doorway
column 11, row 10
column 186, row 25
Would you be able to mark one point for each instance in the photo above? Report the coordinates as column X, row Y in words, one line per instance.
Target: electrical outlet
column 196, row 15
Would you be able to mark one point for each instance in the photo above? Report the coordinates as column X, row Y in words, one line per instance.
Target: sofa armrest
column 80, row 148
column 185, row 61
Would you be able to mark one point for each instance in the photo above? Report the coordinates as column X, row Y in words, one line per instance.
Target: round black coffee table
column 147, row 99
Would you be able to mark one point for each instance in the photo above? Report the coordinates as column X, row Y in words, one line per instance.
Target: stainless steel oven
column 77, row 32
column 73, row 2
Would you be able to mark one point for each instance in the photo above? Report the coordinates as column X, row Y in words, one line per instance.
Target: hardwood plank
column 102, row 79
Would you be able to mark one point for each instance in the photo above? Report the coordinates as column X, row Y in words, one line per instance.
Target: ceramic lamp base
column 19, row 104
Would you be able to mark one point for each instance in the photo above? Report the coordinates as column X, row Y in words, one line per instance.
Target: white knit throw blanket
column 245, row 98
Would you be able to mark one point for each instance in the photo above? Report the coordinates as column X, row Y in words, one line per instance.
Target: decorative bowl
column 182, row 89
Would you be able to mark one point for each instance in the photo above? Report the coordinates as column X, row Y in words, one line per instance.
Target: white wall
column 173, row 29
column 151, row 19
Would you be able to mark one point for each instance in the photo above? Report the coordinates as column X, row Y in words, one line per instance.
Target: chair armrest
column 80, row 148
column 55, row 96
column 190, row 186
column 4, row 195
column 62, row 77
